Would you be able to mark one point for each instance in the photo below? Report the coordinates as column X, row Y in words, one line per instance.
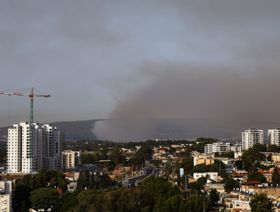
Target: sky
column 141, row 59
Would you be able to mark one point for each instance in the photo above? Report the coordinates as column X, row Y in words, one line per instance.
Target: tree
column 261, row 203
column 273, row 148
column 89, row 158
column 276, row 177
column 159, row 188
column 197, row 202
column 250, row 158
column 213, row 198
column 225, row 154
column 92, row 180
column 269, row 157
column 239, row 164
column 43, row 198
column 117, row 157
column 186, row 164
column 259, row 147
column 21, row 197
column 230, row 184
column 256, row 176
column 44, row 179
column 199, row 184
column 217, row 166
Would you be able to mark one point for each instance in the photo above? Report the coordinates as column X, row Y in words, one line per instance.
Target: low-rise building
column 210, row 175
column 272, row 192
column 237, row 202
column 274, row 136
column 203, row 159
column 70, row 159
column 218, row 147
column 5, row 196
column 267, row 174
column 240, row 175
column 220, row 187
column 236, row 148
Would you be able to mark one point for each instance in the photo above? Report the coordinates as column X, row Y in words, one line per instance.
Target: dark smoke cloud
column 139, row 61
column 230, row 77
column 220, row 94
column 205, row 92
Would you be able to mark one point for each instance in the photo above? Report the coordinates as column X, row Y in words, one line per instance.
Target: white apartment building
column 14, row 159
column 5, row 196
column 20, row 149
column 251, row 137
column 218, row 147
column 236, row 148
column 26, row 155
column 274, row 136
column 70, row 159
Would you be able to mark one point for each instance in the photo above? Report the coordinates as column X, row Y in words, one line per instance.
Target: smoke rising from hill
column 218, row 94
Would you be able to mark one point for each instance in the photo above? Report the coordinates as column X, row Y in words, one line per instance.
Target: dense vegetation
column 154, row 194
column 3, row 154
column 261, row 203
column 40, row 190
column 48, row 190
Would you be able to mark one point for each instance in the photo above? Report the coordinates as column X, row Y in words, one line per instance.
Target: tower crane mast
column 31, row 96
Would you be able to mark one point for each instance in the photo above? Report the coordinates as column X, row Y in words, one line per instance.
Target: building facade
column 203, row 159
column 208, row 175
column 5, row 196
column 33, row 147
column 274, row 136
column 251, row 137
column 218, row 147
column 70, row 159
column 51, row 146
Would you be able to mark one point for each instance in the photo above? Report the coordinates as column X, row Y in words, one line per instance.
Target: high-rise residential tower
column 251, row 137
column 26, row 155
column 274, row 136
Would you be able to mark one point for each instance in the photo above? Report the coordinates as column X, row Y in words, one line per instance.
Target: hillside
column 124, row 130
column 74, row 130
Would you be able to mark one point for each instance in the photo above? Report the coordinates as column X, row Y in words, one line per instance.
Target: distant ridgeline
column 74, row 130
column 162, row 129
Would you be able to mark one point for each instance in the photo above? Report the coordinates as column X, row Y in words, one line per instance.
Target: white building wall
column 5, row 196
column 27, row 155
column 208, row 149
column 211, row 175
column 14, row 149
column 70, row 159
column 52, row 139
column 251, row 137
column 274, row 137
column 218, row 147
column 29, row 148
